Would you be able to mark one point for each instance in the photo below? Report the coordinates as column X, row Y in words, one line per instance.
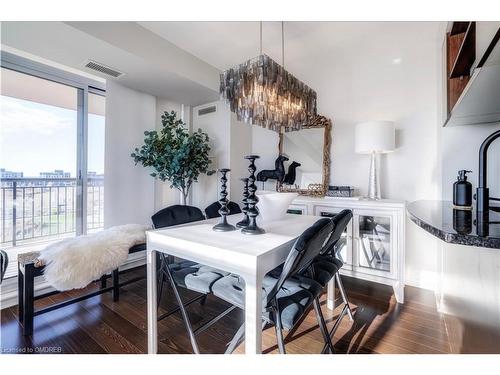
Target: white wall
column 372, row 87
column 241, row 145
column 129, row 189
column 230, row 141
column 216, row 125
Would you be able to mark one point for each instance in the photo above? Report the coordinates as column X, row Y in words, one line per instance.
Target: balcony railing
column 35, row 208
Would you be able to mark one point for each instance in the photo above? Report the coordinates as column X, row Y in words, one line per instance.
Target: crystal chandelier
column 261, row 92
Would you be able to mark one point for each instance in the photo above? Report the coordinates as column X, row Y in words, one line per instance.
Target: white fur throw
column 75, row 262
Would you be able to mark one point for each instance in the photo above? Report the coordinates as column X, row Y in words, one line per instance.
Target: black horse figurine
column 291, row 175
column 277, row 174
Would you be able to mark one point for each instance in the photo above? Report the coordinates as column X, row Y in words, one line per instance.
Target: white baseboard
column 8, row 288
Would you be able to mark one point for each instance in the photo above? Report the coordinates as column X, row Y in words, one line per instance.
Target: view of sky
column 38, row 138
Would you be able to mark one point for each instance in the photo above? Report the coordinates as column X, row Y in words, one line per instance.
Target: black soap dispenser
column 462, row 191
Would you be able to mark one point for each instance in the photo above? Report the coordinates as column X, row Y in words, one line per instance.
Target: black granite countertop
column 456, row 226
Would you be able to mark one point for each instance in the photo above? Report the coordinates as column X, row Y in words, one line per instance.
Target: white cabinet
column 373, row 245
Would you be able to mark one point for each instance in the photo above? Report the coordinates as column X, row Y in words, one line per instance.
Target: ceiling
column 307, row 44
column 181, row 61
column 151, row 64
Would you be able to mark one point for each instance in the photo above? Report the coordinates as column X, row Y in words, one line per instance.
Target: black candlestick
column 244, row 223
column 252, row 200
column 223, row 226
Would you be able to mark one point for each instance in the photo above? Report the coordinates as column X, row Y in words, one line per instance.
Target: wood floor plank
column 89, row 321
column 100, row 325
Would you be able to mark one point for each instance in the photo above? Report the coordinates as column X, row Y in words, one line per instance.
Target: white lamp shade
column 375, row 136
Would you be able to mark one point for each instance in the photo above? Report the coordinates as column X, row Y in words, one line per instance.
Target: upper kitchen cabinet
column 472, row 56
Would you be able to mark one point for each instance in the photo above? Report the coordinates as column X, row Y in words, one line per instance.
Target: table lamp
column 374, row 137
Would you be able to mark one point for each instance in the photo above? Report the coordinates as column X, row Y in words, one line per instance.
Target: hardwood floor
column 99, row 325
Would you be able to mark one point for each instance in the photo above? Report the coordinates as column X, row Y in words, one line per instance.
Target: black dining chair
column 212, row 211
column 4, row 262
column 288, row 296
column 327, row 266
column 185, row 274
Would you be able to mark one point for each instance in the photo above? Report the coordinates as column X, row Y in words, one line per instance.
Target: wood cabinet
column 460, row 56
column 373, row 245
column 471, row 60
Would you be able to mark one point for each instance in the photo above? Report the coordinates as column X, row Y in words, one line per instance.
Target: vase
column 183, row 199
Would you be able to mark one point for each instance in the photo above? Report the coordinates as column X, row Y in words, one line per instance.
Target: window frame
column 84, row 85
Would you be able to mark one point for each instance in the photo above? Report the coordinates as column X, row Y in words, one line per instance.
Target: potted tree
column 174, row 154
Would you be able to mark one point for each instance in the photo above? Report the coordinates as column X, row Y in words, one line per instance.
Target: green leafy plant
column 174, row 154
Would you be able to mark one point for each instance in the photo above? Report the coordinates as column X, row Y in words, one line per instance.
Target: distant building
column 10, row 174
column 58, row 173
column 94, row 179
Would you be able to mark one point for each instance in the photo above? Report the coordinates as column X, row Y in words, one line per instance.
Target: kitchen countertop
column 456, row 226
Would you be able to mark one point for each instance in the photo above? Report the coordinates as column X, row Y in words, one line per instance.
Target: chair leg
column 279, row 333
column 185, row 316
column 161, row 281
column 116, row 285
column 163, row 261
column 203, row 301
column 344, row 296
column 28, row 299
column 212, row 321
column 20, row 294
column 335, row 326
column 236, row 339
column 322, row 325
column 160, row 275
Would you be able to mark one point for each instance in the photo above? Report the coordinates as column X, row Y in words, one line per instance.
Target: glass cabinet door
column 374, row 243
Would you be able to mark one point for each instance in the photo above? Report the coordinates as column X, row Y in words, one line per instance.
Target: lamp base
column 374, row 179
column 367, row 198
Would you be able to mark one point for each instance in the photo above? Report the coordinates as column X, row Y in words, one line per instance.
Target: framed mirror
column 308, row 153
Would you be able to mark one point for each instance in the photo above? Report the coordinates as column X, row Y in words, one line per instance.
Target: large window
column 51, row 157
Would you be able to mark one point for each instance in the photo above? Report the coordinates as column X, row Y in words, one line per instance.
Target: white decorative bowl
column 272, row 205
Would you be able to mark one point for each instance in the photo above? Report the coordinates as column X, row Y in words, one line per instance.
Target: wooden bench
column 30, row 267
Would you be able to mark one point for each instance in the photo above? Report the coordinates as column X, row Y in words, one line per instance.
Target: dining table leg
column 253, row 314
column 152, row 301
column 330, row 294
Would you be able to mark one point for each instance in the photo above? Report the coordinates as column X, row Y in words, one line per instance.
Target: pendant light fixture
column 261, row 92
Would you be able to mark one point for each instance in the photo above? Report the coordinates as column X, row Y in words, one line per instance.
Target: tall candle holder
column 223, row 225
column 244, row 223
column 252, row 200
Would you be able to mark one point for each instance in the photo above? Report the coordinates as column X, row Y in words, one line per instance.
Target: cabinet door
column 343, row 249
column 374, row 249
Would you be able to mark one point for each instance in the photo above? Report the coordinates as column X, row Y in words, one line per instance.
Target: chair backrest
column 305, row 249
column 340, row 222
column 213, row 210
column 175, row 215
column 4, row 261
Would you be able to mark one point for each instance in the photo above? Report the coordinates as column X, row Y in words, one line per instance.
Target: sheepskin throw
column 75, row 262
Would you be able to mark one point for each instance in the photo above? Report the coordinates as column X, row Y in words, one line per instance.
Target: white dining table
column 249, row 256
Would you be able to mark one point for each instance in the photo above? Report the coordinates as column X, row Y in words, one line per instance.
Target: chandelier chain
column 260, row 38
column 283, row 44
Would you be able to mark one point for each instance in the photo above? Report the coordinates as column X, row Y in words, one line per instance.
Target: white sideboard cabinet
column 373, row 245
